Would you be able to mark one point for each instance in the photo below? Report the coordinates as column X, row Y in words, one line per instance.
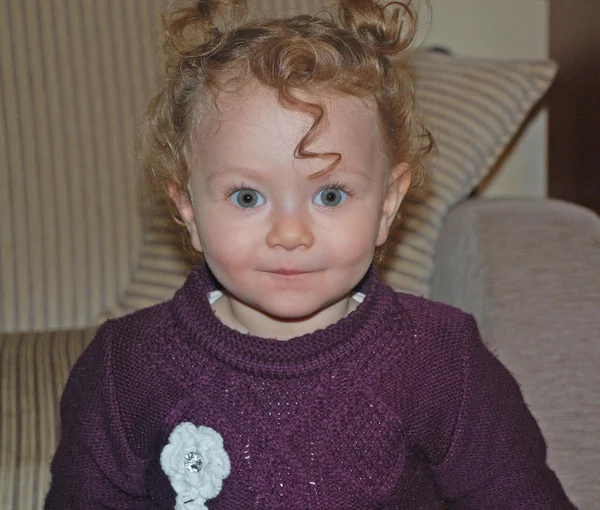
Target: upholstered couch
column 77, row 248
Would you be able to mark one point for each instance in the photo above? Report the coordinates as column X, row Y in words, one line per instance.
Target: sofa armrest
column 529, row 270
column 33, row 370
column 506, row 261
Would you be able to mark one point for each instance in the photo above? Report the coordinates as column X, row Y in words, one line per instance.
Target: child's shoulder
column 132, row 351
column 140, row 323
column 425, row 312
column 435, row 326
column 132, row 337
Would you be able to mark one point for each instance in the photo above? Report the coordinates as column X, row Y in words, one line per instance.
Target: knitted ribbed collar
column 277, row 358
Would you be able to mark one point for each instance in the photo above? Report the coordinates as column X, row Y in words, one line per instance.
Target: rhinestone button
column 193, row 462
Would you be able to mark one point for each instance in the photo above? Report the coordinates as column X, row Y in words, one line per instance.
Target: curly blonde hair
column 345, row 54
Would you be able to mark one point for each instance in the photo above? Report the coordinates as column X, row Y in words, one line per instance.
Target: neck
column 246, row 319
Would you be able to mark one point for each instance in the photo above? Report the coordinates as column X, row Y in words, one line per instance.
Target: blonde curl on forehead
column 209, row 48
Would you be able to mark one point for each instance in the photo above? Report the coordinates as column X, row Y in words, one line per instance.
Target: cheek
column 225, row 240
column 356, row 237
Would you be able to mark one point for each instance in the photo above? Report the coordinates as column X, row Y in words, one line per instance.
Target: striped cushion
column 162, row 267
column 33, row 372
column 475, row 107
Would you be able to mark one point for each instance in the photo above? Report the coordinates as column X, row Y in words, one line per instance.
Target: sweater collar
column 270, row 357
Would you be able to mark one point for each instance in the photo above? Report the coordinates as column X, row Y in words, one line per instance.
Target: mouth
column 289, row 272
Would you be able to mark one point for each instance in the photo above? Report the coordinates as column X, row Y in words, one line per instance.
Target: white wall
column 505, row 29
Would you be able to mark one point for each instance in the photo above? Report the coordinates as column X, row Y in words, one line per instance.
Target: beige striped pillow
column 474, row 107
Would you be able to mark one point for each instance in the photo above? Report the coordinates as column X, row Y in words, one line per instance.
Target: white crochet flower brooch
column 196, row 463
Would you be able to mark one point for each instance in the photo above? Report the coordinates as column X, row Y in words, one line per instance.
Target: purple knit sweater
column 396, row 406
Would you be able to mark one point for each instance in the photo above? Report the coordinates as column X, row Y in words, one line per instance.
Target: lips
column 288, row 272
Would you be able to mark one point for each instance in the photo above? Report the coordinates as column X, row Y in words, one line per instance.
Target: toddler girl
column 284, row 375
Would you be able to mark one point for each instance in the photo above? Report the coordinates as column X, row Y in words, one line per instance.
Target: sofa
column 77, row 247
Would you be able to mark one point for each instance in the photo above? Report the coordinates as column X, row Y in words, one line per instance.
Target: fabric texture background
column 74, row 77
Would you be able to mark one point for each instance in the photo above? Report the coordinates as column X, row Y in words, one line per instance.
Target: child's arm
column 497, row 455
column 93, row 466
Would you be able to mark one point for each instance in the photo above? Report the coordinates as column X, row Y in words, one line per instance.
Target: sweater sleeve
column 94, row 466
column 496, row 457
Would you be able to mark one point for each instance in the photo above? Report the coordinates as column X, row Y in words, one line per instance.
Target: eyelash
column 342, row 186
column 235, row 188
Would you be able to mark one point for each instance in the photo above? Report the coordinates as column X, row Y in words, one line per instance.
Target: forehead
column 252, row 124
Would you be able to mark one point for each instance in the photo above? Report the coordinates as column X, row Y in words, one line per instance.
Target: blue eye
column 330, row 197
column 247, row 198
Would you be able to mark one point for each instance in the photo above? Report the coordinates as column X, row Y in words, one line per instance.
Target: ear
column 182, row 200
column 398, row 183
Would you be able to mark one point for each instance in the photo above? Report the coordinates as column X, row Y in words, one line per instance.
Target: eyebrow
column 258, row 175
column 220, row 171
column 344, row 170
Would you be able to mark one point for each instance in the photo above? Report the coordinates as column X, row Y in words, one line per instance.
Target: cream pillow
column 474, row 108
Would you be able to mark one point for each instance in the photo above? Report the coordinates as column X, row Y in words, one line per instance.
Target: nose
column 290, row 231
